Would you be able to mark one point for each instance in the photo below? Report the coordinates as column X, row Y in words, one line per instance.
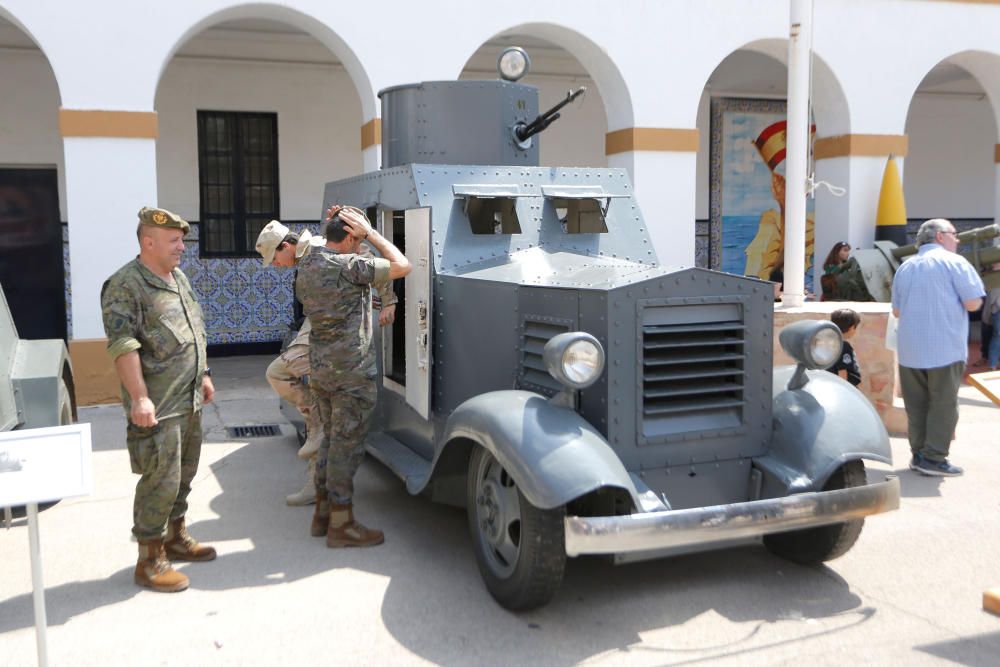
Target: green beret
column 161, row 217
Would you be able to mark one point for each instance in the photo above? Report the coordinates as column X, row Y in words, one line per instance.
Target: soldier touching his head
column 156, row 338
column 283, row 248
column 334, row 285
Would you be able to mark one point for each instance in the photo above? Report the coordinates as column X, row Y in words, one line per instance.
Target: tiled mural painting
column 243, row 302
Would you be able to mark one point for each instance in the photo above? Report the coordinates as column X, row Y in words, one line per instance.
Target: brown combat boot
column 179, row 544
column 153, row 569
column 344, row 531
column 321, row 517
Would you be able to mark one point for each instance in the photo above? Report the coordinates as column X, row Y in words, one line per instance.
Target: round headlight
column 574, row 359
column 581, row 361
column 825, row 347
column 513, row 63
column 812, row 343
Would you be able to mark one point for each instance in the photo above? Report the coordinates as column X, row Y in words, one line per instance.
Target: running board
column 397, row 457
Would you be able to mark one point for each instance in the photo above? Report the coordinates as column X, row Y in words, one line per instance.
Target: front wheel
column 823, row 543
column 520, row 549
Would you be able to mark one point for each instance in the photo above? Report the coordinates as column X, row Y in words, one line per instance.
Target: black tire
column 520, row 549
column 817, row 545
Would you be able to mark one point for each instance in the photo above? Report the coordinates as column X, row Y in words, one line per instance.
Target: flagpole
column 796, row 160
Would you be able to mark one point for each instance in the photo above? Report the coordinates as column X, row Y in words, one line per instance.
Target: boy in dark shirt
column 847, row 366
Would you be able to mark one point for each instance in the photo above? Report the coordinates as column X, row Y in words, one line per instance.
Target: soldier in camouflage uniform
column 334, row 285
column 279, row 246
column 156, row 338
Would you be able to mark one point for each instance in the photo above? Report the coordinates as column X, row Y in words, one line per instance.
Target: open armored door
column 407, row 342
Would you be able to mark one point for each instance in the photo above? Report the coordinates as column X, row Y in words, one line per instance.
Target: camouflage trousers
column 166, row 456
column 346, row 414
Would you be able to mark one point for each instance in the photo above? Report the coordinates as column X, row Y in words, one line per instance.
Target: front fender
column 38, row 369
column 817, row 429
column 552, row 453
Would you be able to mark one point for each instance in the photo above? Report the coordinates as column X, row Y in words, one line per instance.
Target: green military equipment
column 867, row 275
column 36, row 382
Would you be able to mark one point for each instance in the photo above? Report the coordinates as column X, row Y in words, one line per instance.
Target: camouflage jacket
column 385, row 296
column 336, row 295
column 165, row 324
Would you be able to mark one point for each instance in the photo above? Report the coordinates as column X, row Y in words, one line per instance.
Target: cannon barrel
column 868, row 275
column 977, row 235
column 525, row 130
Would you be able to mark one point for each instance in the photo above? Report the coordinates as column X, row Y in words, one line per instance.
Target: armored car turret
column 547, row 372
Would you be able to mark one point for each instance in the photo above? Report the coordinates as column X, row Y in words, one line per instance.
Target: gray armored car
column 576, row 396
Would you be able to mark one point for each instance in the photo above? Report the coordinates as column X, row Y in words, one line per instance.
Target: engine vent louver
column 533, row 375
column 693, row 361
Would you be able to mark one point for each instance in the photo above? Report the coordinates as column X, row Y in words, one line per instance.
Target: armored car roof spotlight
column 513, row 63
column 814, row 344
column 575, row 359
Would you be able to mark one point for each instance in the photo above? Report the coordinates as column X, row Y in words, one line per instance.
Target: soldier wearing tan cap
column 281, row 247
column 156, row 338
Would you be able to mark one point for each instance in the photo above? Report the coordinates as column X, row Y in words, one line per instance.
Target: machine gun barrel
column 524, row 132
column 974, row 236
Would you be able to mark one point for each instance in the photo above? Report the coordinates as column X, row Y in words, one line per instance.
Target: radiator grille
column 692, row 371
column 533, row 373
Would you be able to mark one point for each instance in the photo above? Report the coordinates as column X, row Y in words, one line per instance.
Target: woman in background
column 834, row 264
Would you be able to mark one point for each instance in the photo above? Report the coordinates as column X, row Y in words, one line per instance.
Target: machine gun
column 524, row 131
column 867, row 275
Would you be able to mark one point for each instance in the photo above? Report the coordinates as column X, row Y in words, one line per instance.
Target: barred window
column 238, row 179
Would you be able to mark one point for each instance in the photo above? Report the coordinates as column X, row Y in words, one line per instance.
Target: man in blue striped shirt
column 932, row 294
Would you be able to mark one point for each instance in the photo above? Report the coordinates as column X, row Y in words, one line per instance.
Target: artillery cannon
column 867, row 275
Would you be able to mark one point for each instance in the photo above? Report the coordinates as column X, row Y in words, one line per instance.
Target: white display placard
column 44, row 464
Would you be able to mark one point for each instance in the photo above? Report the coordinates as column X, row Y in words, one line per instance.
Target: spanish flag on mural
column 890, row 220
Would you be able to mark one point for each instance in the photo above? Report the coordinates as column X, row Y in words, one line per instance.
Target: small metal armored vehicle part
column 36, row 382
column 546, row 372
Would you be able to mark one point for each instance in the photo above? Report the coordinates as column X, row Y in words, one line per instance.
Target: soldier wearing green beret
column 156, row 338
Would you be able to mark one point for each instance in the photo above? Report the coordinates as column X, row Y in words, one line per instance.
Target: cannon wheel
column 520, row 549
column 816, row 545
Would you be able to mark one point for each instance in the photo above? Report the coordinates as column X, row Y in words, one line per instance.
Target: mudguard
column 552, row 453
column 37, row 371
column 817, row 429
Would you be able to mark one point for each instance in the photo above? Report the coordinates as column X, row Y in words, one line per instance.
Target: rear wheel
column 520, row 549
column 816, row 545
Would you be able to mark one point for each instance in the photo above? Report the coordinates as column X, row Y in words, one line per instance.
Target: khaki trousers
column 931, row 399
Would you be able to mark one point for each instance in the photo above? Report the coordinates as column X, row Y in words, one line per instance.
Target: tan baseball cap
column 269, row 239
column 161, row 217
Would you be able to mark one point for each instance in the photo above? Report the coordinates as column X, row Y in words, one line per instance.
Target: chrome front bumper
column 722, row 523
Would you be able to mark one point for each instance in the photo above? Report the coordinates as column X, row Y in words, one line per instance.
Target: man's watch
column 208, row 372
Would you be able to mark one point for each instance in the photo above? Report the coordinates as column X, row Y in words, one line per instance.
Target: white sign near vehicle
column 39, row 465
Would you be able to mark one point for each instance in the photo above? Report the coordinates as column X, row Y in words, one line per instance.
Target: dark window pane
column 238, row 172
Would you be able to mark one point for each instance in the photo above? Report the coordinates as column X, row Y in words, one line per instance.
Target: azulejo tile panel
column 243, row 302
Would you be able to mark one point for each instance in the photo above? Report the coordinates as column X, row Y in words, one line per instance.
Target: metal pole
column 796, row 160
column 38, row 588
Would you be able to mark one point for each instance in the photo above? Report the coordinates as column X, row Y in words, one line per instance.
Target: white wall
column 577, row 138
column 29, row 115
column 950, row 170
column 319, row 127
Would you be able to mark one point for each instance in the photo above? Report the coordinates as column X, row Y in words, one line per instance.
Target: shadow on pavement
column 981, row 650
column 436, row 605
column 66, row 601
column 914, row 485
